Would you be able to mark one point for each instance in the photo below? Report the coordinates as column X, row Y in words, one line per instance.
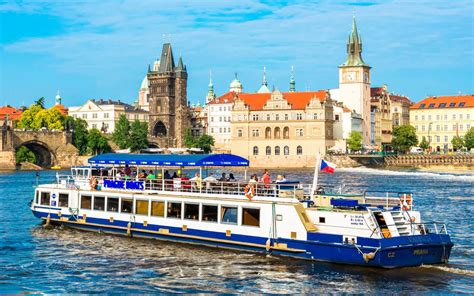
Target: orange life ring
column 249, row 191
column 406, row 202
column 93, row 182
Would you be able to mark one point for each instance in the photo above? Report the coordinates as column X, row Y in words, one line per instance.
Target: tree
column 457, row 142
column 55, row 120
column 24, row 154
column 354, row 142
column 189, row 140
column 205, row 142
column 403, row 138
column 424, row 144
column 40, row 120
column 469, row 139
column 80, row 134
column 28, row 116
column 122, row 132
column 96, row 142
column 40, row 102
column 138, row 136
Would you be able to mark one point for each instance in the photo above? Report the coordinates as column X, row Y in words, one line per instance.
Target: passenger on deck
column 279, row 179
column 284, row 179
column 167, row 175
column 127, row 170
column 196, row 181
column 174, row 175
column 151, row 175
column 232, row 178
column 210, row 178
column 142, row 175
column 253, row 179
column 266, row 177
column 223, row 178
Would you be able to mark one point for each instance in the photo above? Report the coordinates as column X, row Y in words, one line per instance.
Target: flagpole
column 315, row 176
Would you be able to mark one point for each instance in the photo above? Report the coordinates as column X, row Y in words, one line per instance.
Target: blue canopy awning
column 170, row 159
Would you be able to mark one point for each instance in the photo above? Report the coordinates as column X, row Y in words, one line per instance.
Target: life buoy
column 93, row 182
column 249, row 191
column 406, row 202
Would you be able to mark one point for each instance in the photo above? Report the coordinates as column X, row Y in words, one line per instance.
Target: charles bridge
column 50, row 147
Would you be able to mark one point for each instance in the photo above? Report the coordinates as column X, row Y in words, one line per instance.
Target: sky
column 101, row 49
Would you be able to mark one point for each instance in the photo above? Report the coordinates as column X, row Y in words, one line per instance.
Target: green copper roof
column 354, row 48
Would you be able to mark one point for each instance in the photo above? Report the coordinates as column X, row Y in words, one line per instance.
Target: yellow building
column 282, row 129
column 439, row 119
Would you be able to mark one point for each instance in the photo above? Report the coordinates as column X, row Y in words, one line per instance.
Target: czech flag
column 327, row 166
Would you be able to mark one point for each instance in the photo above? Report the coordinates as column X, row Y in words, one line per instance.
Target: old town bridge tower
column 169, row 113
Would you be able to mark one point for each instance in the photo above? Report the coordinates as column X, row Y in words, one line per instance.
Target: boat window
column 63, row 200
column 250, row 217
column 37, row 197
column 44, row 200
column 142, row 207
column 229, row 215
column 99, row 203
column 158, row 208
column 127, row 205
column 191, row 211
column 112, row 204
column 322, row 219
column 86, row 202
column 174, row 210
column 209, row 213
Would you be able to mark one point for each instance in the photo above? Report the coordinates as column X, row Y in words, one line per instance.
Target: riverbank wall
column 429, row 160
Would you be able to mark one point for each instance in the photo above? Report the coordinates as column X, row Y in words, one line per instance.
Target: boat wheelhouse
column 114, row 194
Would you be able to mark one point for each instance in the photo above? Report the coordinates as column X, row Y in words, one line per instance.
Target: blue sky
column 101, row 49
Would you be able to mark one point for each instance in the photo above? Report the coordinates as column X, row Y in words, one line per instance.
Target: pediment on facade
column 239, row 104
column 90, row 106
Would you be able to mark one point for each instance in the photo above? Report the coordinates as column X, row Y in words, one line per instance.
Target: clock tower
column 354, row 82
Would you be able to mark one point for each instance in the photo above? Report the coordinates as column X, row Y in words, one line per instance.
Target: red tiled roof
column 345, row 109
column 376, row 91
column 13, row 113
column 459, row 101
column 298, row 100
column 61, row 109
column 225, row 98
column 401, row 99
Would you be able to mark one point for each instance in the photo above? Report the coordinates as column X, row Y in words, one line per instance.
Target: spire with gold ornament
column 354, row 48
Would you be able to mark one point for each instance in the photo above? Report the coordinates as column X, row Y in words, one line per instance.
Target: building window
column 220, row 130
column 460, row 127
column 337, row 117
column 268, row 117
column 276, row 133
column 454, row 116
column 416, row 117
column 437, row 127
column 468, row 126
column 84, row 116
column 191, row 211
column 174, row 210
column 141, row 207
column 315, row 116
column 99, row 203
column 460, row 116
column 94, row 125
column 94, row 115
column 299, row 132
column 158, row 208
column 251, row 217
column 299, row 150
column 452, row 104
column 299, row 116
column 268, row 133
column 255, row 133
column 468, row 116
column 445, row 116
column 209, row 213
column 127, row 205
column 422, row 117
column 106, row 115
column 286, row 116
column 423, row 128
column 445, row 127
column 277, row 116
column 255, row 117
column 286, row 132
column 454, row 127
column 229, row 215
column 255, row 150
column 286, row 150
column 239, row 133
column 86, row 202
column 112, row 204
column 445, row 139
column 268, row 150
column 277, row 150
column 63, row 201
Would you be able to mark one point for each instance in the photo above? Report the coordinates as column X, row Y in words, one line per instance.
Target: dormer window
column 442, row 105
column 422, row 105
column 462, row 104
column 452, row 104
column 431, row 105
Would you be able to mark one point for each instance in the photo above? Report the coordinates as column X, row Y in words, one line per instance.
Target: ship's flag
column 327, row 166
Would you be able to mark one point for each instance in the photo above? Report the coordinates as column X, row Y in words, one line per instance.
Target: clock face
column 350, row 76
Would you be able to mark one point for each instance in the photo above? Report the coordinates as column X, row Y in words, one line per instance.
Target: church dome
column 235, row 85
column 145, row 83
column 156, row 65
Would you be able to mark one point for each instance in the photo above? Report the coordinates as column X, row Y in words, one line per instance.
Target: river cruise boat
column 135, row 195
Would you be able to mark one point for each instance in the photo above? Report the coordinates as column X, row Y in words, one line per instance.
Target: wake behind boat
column 115, row 194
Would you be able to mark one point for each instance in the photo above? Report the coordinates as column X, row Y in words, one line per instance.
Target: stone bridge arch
column 45, row 156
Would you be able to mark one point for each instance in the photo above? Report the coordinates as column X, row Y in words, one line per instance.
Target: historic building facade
column 104, row 114
column 441, row 118
column 169, row 113
column 282, row 129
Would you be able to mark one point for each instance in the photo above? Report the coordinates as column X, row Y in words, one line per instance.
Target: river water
column 35, row 259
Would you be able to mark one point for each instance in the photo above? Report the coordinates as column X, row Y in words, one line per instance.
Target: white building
column 104, row 114
column 345, row 121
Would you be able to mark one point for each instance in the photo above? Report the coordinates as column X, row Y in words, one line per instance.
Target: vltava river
column 35, row 259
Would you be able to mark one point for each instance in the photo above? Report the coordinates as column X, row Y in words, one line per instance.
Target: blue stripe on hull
column 394, row 252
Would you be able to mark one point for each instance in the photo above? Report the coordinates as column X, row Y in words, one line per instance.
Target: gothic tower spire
column 354, row 48
column 210, row 93
column 292, row 80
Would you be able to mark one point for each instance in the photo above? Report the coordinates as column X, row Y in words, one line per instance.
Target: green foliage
column 138, row 136
column 404, row 137
column 36, row 117
column 457, row 142
column 24, row 154
column 97, row 143
column 55, row 120
column 80, row 133
column 424, row 144
column 121, row 135
column 40, row 102
column 469, row 139
column 354, row 142
column 205, row 142
column 28, row 116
